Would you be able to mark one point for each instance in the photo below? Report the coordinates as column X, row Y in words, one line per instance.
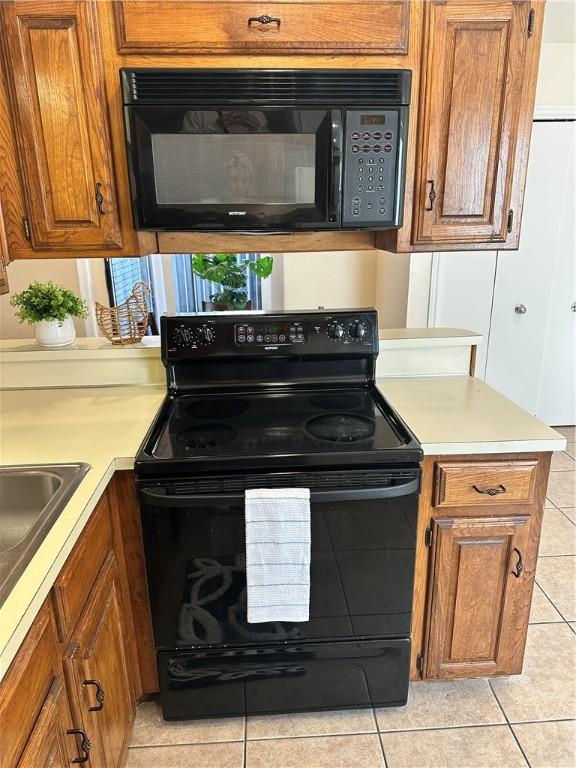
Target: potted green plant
column 49, row 308
column 232, row 276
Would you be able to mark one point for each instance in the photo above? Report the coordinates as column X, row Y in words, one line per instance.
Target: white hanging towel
column 278, row 554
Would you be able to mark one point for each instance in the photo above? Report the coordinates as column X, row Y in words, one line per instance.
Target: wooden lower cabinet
column 69, row 694
column 97, row 673
column 46, row 747
column 475, row 565
column 483, row 571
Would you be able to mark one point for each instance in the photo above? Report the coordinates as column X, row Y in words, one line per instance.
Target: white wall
column 329, row 279
column 20, row 275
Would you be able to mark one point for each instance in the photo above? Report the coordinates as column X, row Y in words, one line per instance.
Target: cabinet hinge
column 428, row 537
column 420, row 663
column 26, row 227
column 531, row 19
column 510, row 220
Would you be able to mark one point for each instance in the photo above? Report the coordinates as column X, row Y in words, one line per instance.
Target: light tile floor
column 527, row 720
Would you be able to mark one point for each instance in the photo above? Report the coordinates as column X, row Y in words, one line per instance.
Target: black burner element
column 217, row 408
column 206, row 436
column 340, row 428
column 336, row 402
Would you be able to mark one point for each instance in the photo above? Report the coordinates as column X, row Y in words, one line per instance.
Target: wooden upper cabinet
column 471, row 134
column 97, row 672
column 289, row 27
column 481, row 589
column 55, row 68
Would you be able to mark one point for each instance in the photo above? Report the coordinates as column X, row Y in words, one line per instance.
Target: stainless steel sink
column 31, row 498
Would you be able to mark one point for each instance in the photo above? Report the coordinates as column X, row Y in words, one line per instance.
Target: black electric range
column 278, row 400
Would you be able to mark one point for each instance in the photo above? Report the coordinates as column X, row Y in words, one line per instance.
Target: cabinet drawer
column 78, row 575
column 480, row 483
column 336, row 27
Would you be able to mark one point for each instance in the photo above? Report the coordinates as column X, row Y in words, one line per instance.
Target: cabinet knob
column 85, row 744
column 490, row 491
column 519, row 567
column 99, row 695
column 520, row 309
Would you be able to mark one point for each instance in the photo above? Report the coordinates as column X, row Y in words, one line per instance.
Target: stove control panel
column 255, row 333
column 315, row 333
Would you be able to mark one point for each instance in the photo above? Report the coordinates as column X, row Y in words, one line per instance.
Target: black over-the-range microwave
column 266, row 150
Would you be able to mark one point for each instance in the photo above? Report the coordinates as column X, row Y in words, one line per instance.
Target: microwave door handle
column 335, row 191
column 357, row 494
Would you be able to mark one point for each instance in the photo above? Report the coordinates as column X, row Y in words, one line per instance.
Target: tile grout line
column 508, row 723
column 379, row 737
column 565, row 620
column 245, row 761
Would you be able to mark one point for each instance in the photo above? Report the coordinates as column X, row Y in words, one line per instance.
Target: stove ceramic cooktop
column 275, row 424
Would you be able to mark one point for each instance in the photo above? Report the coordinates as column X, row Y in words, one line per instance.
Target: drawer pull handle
column 431, row 195
column 490, row 491
column 85, row 744
column 99, row 198
column 519, row 567
column 263, row 22
column 99, row 695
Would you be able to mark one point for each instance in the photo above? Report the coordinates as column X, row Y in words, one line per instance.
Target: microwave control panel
column 372, row 139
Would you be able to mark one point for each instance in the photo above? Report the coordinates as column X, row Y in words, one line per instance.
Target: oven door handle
column 225, row 499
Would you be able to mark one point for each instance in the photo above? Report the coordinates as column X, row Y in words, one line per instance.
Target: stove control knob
column 207, row 334
column 358, row 330
column 336, row 331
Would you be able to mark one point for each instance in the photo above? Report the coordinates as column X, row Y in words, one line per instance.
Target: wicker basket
column 128, row 322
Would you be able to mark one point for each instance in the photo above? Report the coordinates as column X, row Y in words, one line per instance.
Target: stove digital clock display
column 268, row 334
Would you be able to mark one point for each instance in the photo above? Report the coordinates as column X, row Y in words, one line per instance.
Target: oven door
column 361, row 574
column 235, row 169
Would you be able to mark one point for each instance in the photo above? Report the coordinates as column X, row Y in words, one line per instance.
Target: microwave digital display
column 372, row 119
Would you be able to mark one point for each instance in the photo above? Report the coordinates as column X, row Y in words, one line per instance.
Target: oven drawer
column 313, row 677
column 373, row 27
column 458, row 484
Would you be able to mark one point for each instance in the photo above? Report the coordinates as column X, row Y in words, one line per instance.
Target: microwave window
column 234, row 168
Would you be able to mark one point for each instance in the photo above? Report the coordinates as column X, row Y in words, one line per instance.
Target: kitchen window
column 175, row 288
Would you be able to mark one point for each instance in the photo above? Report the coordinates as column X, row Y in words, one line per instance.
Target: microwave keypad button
column 388, row 148
column 355, row 147
column 381, row 211
column 356, row 200
column 371, row 160
column 370, row 188
column 388, row 135
column 355, row 135
column 355, row 211
column 366, row 148
column 366, row 135
column 370, row 178
column 359, row 188
column 380, row 187
column 377, row 136
column 370, row 205
column 360, row 160
column 380, row 159
column 377, row 148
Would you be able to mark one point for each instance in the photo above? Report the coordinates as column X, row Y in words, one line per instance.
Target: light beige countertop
column 461, row 414
column 101, row 426
column 104, row 427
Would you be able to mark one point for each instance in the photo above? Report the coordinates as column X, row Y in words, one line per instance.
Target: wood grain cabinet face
column 46, row 747
column 469, row 122
column 56, row 78
column 482, row 578
column 292, row 27
column 97, row 673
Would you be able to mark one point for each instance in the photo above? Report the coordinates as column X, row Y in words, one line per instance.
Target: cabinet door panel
column 475, row 70
column 62, row 124
column 46, row 747
column 97, row 671
column 479, row 607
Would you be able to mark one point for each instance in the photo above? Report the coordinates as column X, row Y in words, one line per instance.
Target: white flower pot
column 50, row 333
